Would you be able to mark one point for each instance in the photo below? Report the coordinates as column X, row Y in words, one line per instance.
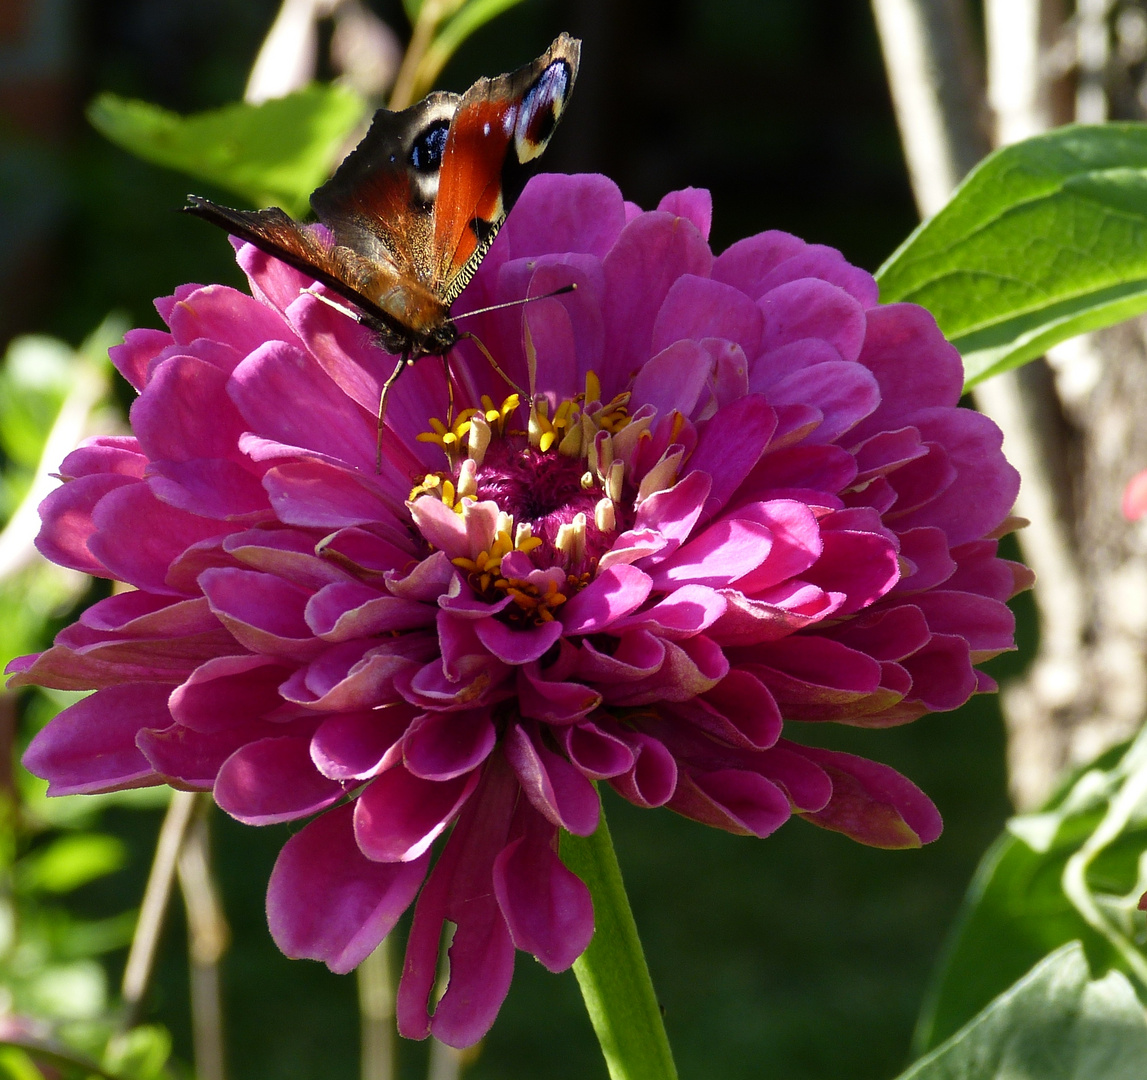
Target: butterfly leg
column 350, row 313
column 392, row 378
column 449, row 391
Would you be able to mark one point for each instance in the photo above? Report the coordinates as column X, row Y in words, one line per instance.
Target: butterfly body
column 408, row 216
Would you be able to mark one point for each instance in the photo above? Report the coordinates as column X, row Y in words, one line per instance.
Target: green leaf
column 1017, row 909
column 473, row 15
column 139, row 1054
column 1054, row 1024
column 71, row 861
column 275, row 153
column 612, row 972
column 1045, row 239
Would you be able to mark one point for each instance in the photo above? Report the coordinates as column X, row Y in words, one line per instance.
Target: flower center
column 543, row 490
column 553, row 491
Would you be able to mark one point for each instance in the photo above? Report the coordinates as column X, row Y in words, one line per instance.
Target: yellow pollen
column 592, row 387
column 495, row 415
column 449, row 438
column 532, row 602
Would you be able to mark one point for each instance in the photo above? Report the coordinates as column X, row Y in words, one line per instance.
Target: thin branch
column 208, row 937
column 931, row 74
column 376, row 1014
column 446, row 1063
column 409, row 83
column 157, row 893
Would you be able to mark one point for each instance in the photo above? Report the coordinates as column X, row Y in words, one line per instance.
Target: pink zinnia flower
column 744, row 496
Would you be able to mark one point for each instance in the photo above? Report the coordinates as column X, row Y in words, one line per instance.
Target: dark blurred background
column 804, row 956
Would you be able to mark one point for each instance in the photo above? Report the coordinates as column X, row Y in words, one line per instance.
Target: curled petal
column 547, row 907
column 873, row 803
column 326, row 901
column 398, row 816
column 273, row 780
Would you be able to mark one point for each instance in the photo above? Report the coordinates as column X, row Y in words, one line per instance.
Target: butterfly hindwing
column 511, row 114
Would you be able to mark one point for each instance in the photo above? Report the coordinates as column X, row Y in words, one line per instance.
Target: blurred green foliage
column 1055, row 1024
column 1025, row 901
column 275, row 153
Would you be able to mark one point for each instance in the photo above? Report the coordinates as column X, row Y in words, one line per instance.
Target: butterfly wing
column 380, row 201
column 518, row 111
column 413, row 208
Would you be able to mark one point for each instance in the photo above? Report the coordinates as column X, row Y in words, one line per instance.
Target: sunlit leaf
column 139, row 1054
column 1045, row 239
column 1017, row 911
column 15, row 1064
column 454, row 31
column 1054, row 1024
column 71, row 861
column 274, row 153
column 75, row 991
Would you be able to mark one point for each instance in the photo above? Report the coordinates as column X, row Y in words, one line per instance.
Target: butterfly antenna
column 572, row 287
column 494, row 363
column 403, row 360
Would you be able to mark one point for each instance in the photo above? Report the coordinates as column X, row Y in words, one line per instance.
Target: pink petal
column 67, row 521
column 517, row 645
column 813, row 309
column 873, row 803
column 674, row 378
column 698, row 307
column 328, row 902
column 731, row 444
column 653, row 779
column 228, row 689
column 284, row 395
column 273, row 780
column 442, row 746
column 558, row 791
column 614, row 593
column 735, row 800
column 693, row 204
column 725, row 551
column 359, row 745
column 565, row 213
column 399, row 815
column 547, row 907
column 90, row 746
column 482, row 952
column 747, row 263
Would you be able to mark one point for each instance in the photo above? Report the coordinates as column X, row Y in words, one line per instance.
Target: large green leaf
column 1054, row 1024
column 1044, row 240
column 1072, row 872
column 274, row 153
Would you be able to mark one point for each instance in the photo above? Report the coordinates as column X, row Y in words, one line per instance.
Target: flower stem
column 612, row 973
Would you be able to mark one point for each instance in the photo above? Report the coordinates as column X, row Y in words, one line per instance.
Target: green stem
column 612, row 973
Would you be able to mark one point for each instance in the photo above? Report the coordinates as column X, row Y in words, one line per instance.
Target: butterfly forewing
column 380, row 201
column 522, row 109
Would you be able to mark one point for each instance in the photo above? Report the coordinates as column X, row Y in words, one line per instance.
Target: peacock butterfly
column 411, row 212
